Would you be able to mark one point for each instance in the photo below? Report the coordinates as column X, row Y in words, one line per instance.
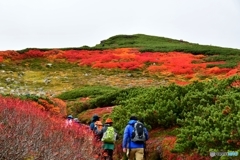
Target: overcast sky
column 74, row 23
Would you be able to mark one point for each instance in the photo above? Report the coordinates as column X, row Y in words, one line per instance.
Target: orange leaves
column 232, row 72
column 217, row 70
column 9, row 54
column 27, row 124
column 125, row 56
column 187, row 65
column 109, row 65
column 61, row 105
column 167, row 145
column 236, row 84
column 32, row 54
column 181, row 83
column 51, row 108
column 154, row 68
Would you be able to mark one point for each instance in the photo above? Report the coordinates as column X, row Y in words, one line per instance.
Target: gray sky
column 74, row 23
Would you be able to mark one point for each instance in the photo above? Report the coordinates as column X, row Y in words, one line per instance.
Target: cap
column 108, row 120
column 70, row 116
column 133, row 118
column 95, row 117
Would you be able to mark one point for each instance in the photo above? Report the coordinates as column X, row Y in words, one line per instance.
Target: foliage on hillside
column 27, row 132
column 202, row 110
column 165, row 82
column 158, row 65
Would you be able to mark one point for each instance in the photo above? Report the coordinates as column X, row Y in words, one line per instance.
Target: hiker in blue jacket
column 133, row 149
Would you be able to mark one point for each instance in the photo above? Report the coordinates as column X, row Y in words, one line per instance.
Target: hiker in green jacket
column 108, row 136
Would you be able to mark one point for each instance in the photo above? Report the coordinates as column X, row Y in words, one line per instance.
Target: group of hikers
column 134, row 137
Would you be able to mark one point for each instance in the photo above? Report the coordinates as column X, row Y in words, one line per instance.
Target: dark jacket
column 127, row 143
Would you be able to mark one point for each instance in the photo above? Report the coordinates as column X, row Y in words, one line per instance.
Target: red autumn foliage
column 217, row 70
column 26, row 132
column 232, row 72
column 109, row 65
column 236, row 84
column 35, row 53
column 171, row 63
column 9, row 54
column 181, row 83
column 168, row 144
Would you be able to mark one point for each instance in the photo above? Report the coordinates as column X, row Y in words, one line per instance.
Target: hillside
column 186, row 93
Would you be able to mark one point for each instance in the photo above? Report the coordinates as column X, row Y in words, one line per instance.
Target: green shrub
column 211, row 118
column 87, row 91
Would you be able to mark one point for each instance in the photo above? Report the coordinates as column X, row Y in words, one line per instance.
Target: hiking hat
column 70, row 117
column 95, row 117
column 133, row 118
column 108, row 120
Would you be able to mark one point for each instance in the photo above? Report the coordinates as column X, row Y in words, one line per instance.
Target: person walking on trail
column 94, row 119
column 108, row 136
column 96, row 126
column 69, row 121
column 134, row 138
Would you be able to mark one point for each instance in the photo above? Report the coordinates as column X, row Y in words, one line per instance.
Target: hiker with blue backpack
column 134, row 138
column 108, row 136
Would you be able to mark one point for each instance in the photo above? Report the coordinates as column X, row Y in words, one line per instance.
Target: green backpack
column 109, row 136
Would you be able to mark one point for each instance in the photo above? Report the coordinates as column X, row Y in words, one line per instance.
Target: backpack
column 138, row 134
column 98, row 125
column 97, row 128
column 109, row 136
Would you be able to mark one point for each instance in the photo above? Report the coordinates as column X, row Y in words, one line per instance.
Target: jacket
column 92, row 125
column 127, row 143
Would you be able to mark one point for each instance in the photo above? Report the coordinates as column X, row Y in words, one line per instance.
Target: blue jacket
column 92, row 126
column 127, row 136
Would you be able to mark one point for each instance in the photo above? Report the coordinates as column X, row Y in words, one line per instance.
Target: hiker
column 77, row 122
column 69, row 121
column 94, row 119
column 96, row 126
column 134, row 137
column 108, row 136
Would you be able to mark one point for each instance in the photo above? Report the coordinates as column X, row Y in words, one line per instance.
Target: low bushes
column 26, row 132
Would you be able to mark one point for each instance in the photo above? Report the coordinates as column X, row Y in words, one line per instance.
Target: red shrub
column 217, row 70
column 154, row 68
column 132, row 65
column 26, row 132
column 33, row 54
column 232, row 72
column 109, row 65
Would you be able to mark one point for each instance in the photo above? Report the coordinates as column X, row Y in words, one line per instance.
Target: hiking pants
column 110, row 153
column 137, row 153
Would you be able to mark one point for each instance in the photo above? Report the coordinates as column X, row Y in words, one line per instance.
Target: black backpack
column 138, row 134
